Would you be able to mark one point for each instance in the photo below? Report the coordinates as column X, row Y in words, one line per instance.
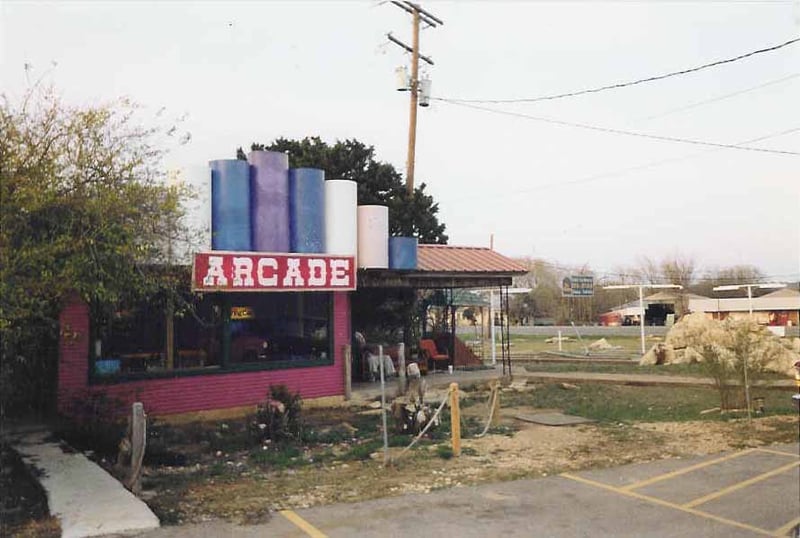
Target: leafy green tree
column 84, row 208
column 378, row 182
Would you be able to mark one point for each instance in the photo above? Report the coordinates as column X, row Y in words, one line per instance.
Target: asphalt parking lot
column 753, row 492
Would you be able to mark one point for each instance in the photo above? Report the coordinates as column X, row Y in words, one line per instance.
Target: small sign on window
column 242, row 312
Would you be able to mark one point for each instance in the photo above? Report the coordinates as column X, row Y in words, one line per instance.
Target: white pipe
column 641, row 316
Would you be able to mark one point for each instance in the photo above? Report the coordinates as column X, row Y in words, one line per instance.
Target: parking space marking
column 730, row 489
column 778, row 452
column 783, row 531
column 626, row 492
column 679, row 472
column 307, row 527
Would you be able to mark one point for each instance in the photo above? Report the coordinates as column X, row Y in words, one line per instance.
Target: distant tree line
column 544, row 304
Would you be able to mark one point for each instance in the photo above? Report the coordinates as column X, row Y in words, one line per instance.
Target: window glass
column 133, row 338
column 279, row 327
column 129, row 338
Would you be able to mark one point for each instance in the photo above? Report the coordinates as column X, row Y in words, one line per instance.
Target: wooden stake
column 138, row 441
column 455, row 419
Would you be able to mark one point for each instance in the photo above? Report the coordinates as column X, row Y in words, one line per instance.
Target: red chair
column 431, row 354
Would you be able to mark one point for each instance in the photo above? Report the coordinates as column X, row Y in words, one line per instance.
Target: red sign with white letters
column 259, row 271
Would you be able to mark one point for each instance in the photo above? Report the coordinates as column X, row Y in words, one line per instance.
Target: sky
column 237, row 73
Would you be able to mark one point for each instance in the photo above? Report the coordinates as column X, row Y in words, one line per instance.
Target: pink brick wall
column 195, row 392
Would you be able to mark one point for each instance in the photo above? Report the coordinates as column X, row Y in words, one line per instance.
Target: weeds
column 279, row 457
column 444, row 452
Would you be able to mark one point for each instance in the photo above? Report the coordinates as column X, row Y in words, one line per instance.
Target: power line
column 643, row 166
column 619, row 131
column 619, row 85
column 721, row 97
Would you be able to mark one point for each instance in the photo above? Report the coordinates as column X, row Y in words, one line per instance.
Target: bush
column 95, row 424
column 740, row 356
column 279, row 417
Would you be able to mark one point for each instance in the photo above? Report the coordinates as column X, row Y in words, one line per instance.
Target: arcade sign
column 260, row 272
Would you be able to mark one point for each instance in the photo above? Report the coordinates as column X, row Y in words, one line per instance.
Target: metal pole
column 491, row 330
column 383, row 410
column 744, row 357
column 641, row 317
column 412, row 122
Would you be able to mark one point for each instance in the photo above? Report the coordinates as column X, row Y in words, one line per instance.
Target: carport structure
column 448, row 268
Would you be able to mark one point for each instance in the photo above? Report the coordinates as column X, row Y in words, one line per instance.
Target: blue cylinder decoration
column 230, row 204
column 402, row 253
column 269, row 184
column 306, row 210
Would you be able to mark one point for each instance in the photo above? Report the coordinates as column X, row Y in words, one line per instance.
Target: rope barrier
column 492, row 400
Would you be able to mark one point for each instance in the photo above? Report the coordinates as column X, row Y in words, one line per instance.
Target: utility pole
column 418, row 15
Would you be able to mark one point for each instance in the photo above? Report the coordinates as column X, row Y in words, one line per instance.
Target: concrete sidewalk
column 86, row 500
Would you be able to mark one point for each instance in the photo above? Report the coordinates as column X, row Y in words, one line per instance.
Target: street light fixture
column 765, row 286
column 641, row 300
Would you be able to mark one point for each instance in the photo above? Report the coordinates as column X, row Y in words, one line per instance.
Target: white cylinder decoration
column 373, row 236
column 341, row 217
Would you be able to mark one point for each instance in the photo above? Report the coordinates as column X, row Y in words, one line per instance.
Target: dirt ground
column 229, row 485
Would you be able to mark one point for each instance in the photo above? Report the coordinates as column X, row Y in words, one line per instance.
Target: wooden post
column 455, row 419
column 348, row 371
column 401, row 364
column 138, row 442
column 170, row 343
column 495, row 403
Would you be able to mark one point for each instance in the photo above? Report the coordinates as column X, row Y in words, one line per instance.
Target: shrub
column 96, row 423
column 738, row 357
column 279, row 417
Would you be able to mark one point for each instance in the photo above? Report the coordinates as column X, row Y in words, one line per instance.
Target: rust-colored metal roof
column 446, row 258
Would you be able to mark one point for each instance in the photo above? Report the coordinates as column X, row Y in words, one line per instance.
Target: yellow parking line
column 783, row 531
column 667, row 504
column 307, row 527
column 740, row 485
column 679, row 472
column 777, row 452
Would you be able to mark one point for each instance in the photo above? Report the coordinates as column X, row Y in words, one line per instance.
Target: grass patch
column 277, row 458
column 444, row 452
column 525, row 344
column 683, row 370
column 612, row 403
column 362, row 451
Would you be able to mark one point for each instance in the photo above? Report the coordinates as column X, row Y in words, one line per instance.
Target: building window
column 211, row 333
column 280, row 327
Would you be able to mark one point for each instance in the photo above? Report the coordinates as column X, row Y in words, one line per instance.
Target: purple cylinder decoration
column 306, row 210
column 230, row 205
column 269, row 202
